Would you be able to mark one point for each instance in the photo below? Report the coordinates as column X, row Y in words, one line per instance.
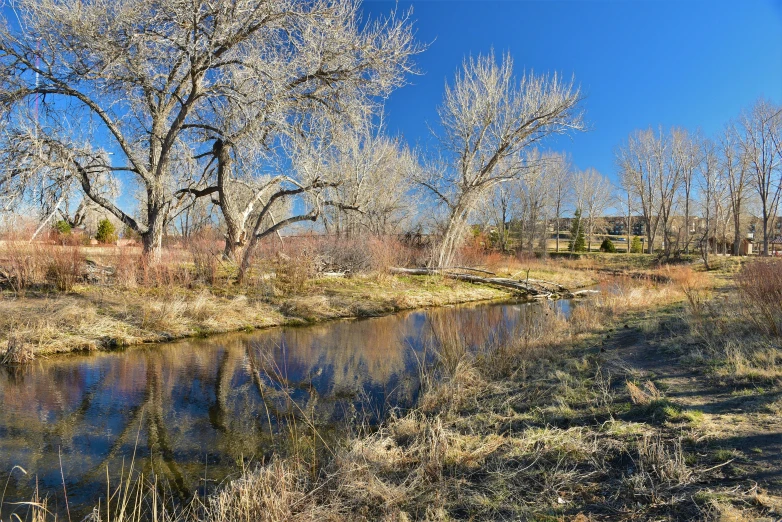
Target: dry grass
column 643, row 396
column 94, row 317
column 485, row 444
column 734, row 335
column 17, row 352
column 523, row 425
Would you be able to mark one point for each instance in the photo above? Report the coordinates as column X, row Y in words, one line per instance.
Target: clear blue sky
column 689, row 63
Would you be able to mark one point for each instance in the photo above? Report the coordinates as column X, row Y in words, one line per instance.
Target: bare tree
column 685, row 155
column 488, row 120
column 157, row 76
column 708, row 183
column 533, row 196
column 624, row 202
column 559, row 175
column 500, row 210
column 760, row 130
column 736, row 173
column 593, row 196
column 376, row 174
column 646, row 172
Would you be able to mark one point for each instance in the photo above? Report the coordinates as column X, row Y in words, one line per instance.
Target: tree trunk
column 152, row 239
column 589, row 241
column 650, row 237
column 687, row 223
column 234, row 224
column 452, row 236
column 765, row 230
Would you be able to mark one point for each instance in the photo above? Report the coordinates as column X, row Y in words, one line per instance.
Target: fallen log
column 523, row 286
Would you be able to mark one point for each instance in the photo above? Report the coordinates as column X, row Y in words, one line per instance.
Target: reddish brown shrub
column 21, row 265
column 206, row 249
column 760, row 288
column 64, row 265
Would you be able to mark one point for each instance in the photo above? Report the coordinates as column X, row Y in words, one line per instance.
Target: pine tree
column 106, row 232
column 635, row 246
column 577, row 238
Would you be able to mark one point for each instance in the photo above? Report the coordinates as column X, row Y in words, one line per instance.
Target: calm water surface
column 192, row 412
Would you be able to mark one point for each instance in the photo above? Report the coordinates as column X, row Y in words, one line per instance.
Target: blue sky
column 688, row 63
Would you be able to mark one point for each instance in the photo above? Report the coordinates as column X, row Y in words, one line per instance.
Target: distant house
column 745, row 248
column 775, row 246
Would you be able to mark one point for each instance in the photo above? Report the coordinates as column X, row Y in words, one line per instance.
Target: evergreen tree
column 635, row 246
column 106, row 232
column 608, row 246
column 577, row 238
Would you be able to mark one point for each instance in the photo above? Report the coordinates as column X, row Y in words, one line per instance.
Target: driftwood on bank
column 535, row 288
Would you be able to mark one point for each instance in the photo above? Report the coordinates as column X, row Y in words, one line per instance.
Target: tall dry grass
column 695, row 285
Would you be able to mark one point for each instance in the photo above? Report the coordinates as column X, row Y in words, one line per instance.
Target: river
column 192, row 413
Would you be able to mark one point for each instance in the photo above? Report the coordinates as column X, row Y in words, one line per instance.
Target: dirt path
column 735, row 425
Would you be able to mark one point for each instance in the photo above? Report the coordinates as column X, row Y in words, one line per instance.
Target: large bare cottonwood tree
column 154, row 80
column 737, row 176
column 489, row 118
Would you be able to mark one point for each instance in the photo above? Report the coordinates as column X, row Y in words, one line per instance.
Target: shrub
column 607, row 246
column 168, row 271
column 293, row 272
column 386, row 252
column 107, row 233
column 21, row 265
column 695, row 286
column 64, row 266
column 206, row 251
column 760, row 287
column 333, row 254
column 635, row 245
column 62, row 227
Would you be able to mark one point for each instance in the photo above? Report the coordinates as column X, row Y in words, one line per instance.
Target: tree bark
column 235, row 228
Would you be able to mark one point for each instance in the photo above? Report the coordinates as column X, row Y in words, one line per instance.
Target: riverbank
column 96, row 318
column 641, row 406
column 174, row 304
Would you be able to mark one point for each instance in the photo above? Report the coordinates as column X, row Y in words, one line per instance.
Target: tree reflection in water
column 191, row 412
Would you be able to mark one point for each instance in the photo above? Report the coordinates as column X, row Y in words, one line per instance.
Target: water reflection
column 191, row 412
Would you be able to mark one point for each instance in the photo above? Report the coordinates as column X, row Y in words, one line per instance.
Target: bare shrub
column 206, row 251
column 293, row 272
column 126, row 268
column 22, row 265
column 386, row 252
column 760, row 288
column 342, row 255
column 473, row 252
column 167, row 271
column 64, row 265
